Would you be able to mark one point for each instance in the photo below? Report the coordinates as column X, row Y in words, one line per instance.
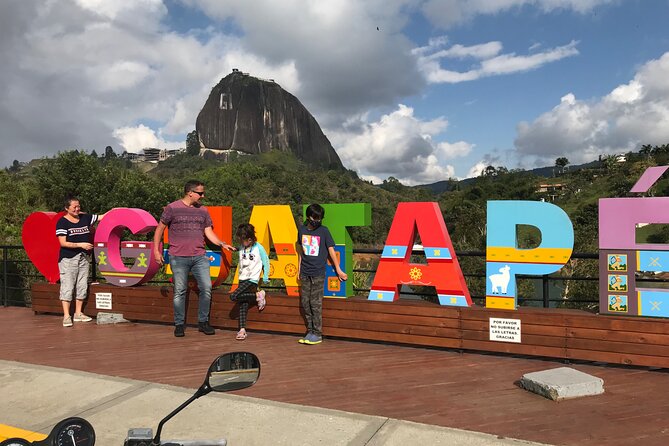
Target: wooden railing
column 18, row 274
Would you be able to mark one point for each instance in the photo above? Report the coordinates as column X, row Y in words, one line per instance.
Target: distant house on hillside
column 551, row 190
column 151, row 154
column 155, row 155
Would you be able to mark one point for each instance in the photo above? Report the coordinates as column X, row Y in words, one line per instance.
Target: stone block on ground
column 109, row 318
column 562, row 383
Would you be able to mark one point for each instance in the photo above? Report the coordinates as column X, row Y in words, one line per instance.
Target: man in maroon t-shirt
column 189, row 222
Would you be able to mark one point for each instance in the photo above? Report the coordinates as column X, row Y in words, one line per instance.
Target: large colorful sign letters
column 504, row 260
column 442, row 270
column 109, row 250
column 620, row 255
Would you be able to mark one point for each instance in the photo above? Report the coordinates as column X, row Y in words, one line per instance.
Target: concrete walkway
column 35, row 398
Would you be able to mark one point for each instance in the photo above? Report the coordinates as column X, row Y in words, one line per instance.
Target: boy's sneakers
column 301, row 340
column 67, row 321
column 312, row 339
column 81, row 317
column 179, row 331
column 261, row 300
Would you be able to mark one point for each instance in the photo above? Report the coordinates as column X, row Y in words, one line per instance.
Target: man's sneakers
column 311, row 339
column 81, row 317
column 179, row 331
column 67, row 321
column 205, row 328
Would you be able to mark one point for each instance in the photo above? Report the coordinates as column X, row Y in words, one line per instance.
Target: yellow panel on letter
column 275, row 224
column 503, row 303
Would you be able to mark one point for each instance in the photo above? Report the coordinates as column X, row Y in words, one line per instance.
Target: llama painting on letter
column 501, row 280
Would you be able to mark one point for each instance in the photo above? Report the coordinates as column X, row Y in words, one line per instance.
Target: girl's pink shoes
column 260, row 298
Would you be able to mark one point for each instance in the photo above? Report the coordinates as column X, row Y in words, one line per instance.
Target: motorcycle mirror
column 233, row 371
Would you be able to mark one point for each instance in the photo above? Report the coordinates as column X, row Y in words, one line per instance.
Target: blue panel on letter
column 214, row 258
column 452, row 300
column 394, row 252
column 653, row 261
column 653, row 303
column 380, row 295
column 437, row 253
column 333, row 286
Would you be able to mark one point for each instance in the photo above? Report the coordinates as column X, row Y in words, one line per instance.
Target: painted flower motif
column 290, row 270
column 415, row 273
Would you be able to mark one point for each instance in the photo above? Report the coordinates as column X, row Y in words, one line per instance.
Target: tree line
column 277, row 177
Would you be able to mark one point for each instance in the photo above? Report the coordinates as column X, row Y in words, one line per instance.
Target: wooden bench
column 554, row 333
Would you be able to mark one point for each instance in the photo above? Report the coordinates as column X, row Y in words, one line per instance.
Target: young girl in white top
column 252, row 261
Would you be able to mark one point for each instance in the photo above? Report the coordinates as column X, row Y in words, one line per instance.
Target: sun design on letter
column 290, row 270
column 415, row 273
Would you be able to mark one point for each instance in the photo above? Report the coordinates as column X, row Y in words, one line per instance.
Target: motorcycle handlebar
column 221, row 442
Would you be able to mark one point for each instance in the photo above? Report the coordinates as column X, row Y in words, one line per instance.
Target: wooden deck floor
column 435, row 386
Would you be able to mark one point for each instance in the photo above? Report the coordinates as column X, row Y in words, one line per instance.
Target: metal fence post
column 4, row 276
column 546, row 291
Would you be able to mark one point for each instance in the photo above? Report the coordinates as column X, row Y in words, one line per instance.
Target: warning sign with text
column 103, row 301
column 504, row 330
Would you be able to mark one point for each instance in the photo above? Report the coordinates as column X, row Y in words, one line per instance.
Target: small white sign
column 504, row 330
column 103, row 301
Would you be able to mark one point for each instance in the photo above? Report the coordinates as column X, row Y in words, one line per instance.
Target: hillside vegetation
column 279, row 178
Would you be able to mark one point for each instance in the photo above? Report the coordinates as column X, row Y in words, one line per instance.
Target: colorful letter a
column 275, row 225
column 442, row 270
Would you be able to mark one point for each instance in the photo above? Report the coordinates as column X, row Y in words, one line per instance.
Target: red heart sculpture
column 41, row 244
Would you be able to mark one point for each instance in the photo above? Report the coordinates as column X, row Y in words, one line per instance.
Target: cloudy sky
column 421, row 90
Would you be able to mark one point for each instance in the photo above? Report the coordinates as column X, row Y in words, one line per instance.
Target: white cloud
column 134, row 139
column 481, row 51
column 346, row 65
column 448, row 13
column 492, row 63
column 433, row 49
column 81, row 69
column 137, row 14
column 455, row 150
column 630, row 115
column 400, row 145
column 120, row 75
column 625, row 94
column 510, row 63
column 84, row 72
column 477, row 169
